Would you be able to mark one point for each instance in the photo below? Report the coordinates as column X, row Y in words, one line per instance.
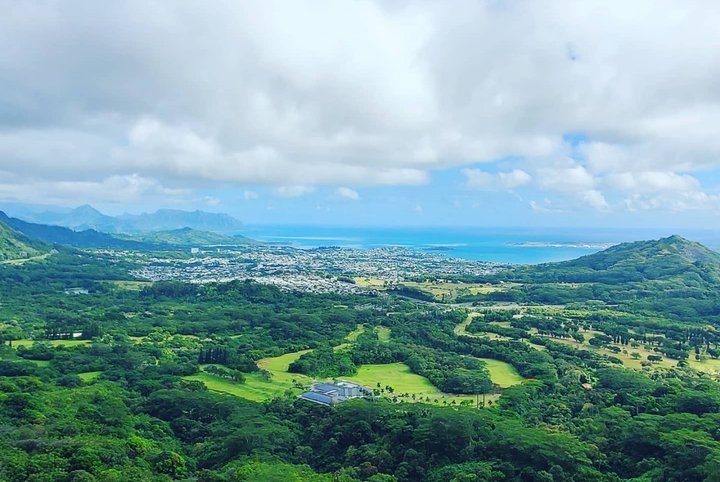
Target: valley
column 201, row 358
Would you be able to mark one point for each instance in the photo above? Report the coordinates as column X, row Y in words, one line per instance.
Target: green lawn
column 278, row 365
column 255, row 388
column 405, row 384
column 131, row 285
column 353, row 335
column 21, row 261
column 708, row 366
column 502, row 374
column 626, row 358
column 383, row 333
column 18, row 343
column 89, row 376
column 396, row 375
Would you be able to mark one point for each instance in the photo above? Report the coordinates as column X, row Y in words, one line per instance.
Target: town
column 321, row 270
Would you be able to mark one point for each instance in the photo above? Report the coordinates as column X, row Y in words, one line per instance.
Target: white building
column 336, row 392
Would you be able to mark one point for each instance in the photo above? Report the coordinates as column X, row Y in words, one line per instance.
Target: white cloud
column 569, row 179
column 293, row 191
column 250, row 195
column 675, row 202
column 347, row 193
column 652, row 181
column 114, row 189
column 595, row 199
column 478, row 179
column 277, row 94
column 546, row 206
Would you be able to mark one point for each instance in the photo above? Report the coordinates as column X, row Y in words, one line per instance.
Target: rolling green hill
column 88, row 238
column 15, row 245
column 673, row 276
column 191, row 237
column 654, row 260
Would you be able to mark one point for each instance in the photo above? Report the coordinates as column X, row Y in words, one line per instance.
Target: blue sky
column 479, row 113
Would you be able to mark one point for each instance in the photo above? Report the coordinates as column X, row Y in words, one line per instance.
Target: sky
column 487, row 113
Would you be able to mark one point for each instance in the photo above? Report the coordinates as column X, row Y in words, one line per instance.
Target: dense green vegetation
column 14, row 245
column 674, row 277
column 88, row 238
column 189, row 237
column 174, row 381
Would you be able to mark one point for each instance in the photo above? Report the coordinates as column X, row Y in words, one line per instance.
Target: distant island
column 546, row 244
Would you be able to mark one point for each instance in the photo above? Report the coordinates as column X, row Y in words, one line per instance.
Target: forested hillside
column 107, row 378
column 15, row 245
column 88, row 238
column 673, row 276
column 190, row 237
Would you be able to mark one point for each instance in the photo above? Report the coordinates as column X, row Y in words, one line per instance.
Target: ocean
column 503, row 245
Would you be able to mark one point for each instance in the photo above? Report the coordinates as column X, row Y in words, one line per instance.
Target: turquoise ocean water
column 506, row 245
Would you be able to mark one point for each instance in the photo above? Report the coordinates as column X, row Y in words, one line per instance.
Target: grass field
column 407, row 386
column 502, row 374
column 461, row 330
column 404, row 382
column 383, row 333
column 18, row 343
column 89, row 376
column 130, row 285
column 255, row 387
column 710, row 365
column 444, row 291
column 626, row 358
column 278, row 366
column 21, row 261
column 353, row 335
column 370, row 283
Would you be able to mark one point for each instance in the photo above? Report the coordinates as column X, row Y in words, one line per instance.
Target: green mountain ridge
column 15, row 245
column 190, row 237
column 86, row 217
column 672, row 276
column 90, row 238
column 630, row 262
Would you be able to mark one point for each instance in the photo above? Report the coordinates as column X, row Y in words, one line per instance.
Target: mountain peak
column 668, row 258
column 87, row 217
column 86, row 208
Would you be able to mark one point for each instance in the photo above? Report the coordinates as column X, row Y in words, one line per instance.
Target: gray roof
column 317, row 398
column 324, row 387
column 347, row 384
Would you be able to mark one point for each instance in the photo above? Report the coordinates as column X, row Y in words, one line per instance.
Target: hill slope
column 61, row 235
column 90, row 238
column 15, row 245
column 672, row 276
column 87, row 217
column 631, row 262
column 192, row 237
column 172, row 219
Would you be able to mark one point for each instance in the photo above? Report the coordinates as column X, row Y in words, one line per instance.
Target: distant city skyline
column 460, row 113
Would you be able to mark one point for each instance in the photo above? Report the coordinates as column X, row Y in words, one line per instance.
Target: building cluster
column 333, row 393
column 320, row 270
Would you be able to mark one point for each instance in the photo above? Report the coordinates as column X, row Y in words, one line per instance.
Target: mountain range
column 91, row 238
column 87, row 217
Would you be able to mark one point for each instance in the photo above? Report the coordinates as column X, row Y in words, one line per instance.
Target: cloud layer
column 614, row 105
